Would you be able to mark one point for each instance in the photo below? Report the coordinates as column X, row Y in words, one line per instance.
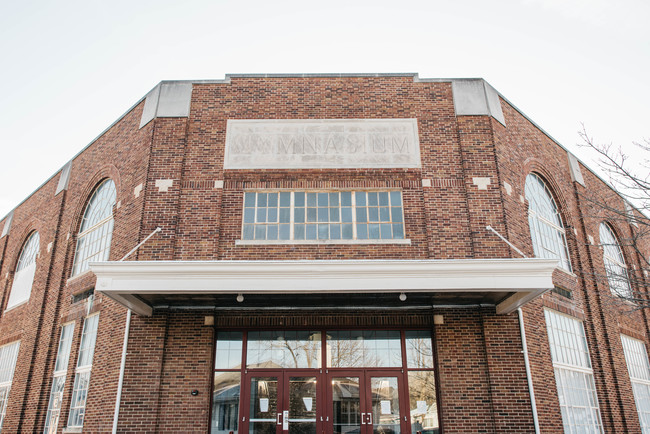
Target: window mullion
column 292, row 207
column 354, row 214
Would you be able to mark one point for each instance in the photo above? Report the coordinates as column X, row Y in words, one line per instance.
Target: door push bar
column 363, row 418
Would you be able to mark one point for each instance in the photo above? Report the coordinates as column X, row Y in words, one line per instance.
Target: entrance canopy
column 147, row 285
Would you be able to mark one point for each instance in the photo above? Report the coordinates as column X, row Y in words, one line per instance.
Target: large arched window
column 25, row 270
column 546, row 228
column 615, row 266
column 94, row 239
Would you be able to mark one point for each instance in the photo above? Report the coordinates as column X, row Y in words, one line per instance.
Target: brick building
column 328, row 260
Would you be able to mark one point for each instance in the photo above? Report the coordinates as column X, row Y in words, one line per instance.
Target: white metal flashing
column 7, row 225
column 123, row 281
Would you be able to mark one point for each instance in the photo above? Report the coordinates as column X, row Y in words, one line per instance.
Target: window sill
column 15, row 306
column 318, row 242
column 79, row 276
column 73, row 429
column 567, row 272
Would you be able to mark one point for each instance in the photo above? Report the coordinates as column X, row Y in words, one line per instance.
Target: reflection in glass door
column 283, row 402
column 302, row 406
column 384, row 415
column 264, row 415
column 346, row 405
column 368, row 402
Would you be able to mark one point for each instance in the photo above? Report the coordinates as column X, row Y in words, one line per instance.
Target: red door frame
column 365, row 394
column 283, row 376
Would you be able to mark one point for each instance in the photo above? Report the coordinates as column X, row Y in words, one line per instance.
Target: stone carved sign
column 325, row 143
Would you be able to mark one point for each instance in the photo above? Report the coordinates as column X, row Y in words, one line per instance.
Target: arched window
column 94, row 238
column 546, row 228
column 615, row 266
column 25, row 270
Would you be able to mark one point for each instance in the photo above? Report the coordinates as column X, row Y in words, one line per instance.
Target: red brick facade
column 480, row 369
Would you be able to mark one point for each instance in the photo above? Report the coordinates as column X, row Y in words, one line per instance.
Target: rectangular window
column 639, row 369
column 82, row 373
column 283, row 349
column 317, row 216
column 8, row 357
column 58, row 382
column 364, row 348
column 573, row 374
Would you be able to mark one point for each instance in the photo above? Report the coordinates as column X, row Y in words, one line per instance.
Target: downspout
column 118, row 400
column 529, row 376
column 524, row 345
column 127, row 328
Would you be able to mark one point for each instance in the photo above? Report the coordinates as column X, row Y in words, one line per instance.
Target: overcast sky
column 68, row 69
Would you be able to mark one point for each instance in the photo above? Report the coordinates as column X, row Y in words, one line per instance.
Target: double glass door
column 282, row 401
column 351, row 401
column 365, row 402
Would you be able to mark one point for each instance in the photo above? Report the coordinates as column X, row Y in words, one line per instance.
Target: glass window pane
column 285, row 199
column 422, row 402
column 419, row 349
column 299, row 232
column 248, row 232
column 285, row 232
column 346, row 198
column 249, row 200
column 396, row 198
column 260, row 232
column 273, row 200
column 284, row 349
column 299, row 198
column 272, row 232
column 362, row 231
column 229, row 350
column 364, row 348
column 225, row 402
column 285, row 215
column 249, row 215
column 323, row 232
column 299, row 215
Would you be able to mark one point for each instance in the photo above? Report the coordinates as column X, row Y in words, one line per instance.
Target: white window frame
column 82, row 373
column 636, row 359
column 8, row 359
column 62, row 359
column 614, row 262
column 538, row 222
column 353, row 206
column 21, row 287
column 101, row 230
column 570, row 356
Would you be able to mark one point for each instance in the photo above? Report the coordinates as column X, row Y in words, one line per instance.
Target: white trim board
column 122, row 281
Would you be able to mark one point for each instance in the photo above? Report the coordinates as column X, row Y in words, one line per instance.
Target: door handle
column 363, row 418
column 369, row 418
column 285, row 420
column 278, row 419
